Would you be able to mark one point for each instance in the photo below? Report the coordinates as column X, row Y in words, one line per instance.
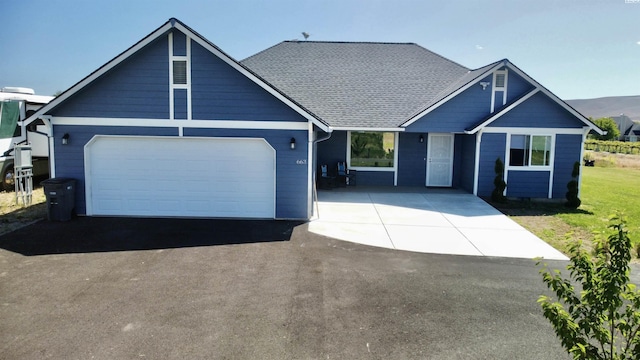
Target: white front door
column 440, row 160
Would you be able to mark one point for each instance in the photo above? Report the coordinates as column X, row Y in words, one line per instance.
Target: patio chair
column 346, row 177
column 325, row 181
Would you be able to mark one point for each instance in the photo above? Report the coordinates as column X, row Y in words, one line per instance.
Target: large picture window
column 372, row 149
column 530, row 150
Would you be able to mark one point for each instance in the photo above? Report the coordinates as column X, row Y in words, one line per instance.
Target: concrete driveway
column 425, row 220
column 106, row 288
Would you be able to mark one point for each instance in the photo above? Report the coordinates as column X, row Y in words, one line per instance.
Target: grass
column 14, row 216
column 610, row 187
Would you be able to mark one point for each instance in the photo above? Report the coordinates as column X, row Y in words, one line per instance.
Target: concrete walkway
column 423, row 220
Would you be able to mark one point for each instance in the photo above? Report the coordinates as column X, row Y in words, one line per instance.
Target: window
column 372, row 149
column 179, row 72
column 530, row 150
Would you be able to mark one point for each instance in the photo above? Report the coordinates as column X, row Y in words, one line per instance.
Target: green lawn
column 605, row 191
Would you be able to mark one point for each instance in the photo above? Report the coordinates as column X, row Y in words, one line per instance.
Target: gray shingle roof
column 356, row 84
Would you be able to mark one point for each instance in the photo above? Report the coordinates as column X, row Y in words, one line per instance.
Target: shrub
column 600, row 319
column 497, row 194
column 573, row 201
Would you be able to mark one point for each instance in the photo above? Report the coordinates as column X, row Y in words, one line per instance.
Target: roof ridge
column 347, row 42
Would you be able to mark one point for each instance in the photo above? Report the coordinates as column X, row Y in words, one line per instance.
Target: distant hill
column 608, row 106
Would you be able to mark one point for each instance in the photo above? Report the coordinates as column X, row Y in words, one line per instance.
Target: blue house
column 173, row 126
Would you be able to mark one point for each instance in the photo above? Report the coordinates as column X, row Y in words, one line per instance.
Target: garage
column 180, row 177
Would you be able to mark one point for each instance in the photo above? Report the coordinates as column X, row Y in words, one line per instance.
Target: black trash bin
column 61, row 198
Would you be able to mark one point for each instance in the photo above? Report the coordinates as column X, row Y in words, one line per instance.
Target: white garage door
column 183, row 177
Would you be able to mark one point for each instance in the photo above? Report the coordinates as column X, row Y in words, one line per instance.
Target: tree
column 609, row 125
column 600, row 319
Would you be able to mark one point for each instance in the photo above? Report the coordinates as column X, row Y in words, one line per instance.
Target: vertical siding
column 567, row 152
column 412, row 169
column 69, row 159
column 459, row 113
column 528, row 184
column 220, row 92
column 136, row 88
column 291, row 176
column 492, row 147
column 538, row 111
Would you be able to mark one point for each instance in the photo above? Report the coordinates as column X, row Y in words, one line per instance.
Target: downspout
column 312, row 167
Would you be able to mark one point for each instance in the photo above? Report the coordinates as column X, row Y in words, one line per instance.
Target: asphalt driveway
column 106, row 288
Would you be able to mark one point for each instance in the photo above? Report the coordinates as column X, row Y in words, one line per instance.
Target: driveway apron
column 440, row 222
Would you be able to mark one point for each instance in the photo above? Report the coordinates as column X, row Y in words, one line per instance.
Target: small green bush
column 573, row 201
column 497, row 194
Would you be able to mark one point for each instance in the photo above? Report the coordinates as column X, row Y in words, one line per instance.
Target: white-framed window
column 371, row 150
column 530, row 150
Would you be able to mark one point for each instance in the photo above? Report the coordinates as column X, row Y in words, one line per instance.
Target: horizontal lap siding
column 69, row 160
column 528, row 184
column 539, row 111
column 332, row 151
column 492, row 147
column 411, row 159
column 457, row 114
column 568, row 148
column 136, row 88
column 374, row 178
column 517, row 86
column 464, row 173
column 291, row 177
column 220, row 92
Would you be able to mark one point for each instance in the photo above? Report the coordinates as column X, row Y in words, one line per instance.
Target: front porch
column 443, row 221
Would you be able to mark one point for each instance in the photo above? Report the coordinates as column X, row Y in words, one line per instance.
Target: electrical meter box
column 22, row 157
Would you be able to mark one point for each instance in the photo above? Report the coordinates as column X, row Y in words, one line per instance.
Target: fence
column 619, row 147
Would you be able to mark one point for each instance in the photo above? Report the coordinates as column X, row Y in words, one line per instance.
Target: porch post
column 476, row 168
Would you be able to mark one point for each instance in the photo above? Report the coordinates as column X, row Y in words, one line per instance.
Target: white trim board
column 210, row 124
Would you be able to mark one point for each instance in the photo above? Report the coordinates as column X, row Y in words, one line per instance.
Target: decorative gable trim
column 162, row 30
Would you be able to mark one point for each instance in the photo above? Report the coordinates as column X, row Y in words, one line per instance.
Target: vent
column 500, row 80
column 179, row 72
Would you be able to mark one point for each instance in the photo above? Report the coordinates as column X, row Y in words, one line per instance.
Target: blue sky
column 577, row 49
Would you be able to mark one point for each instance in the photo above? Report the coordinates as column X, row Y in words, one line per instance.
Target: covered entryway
column 180, row 177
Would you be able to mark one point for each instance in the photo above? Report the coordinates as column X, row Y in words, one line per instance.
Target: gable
column 539, row 111
column 458, row 113
column 138, row 87
column 135, row 84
